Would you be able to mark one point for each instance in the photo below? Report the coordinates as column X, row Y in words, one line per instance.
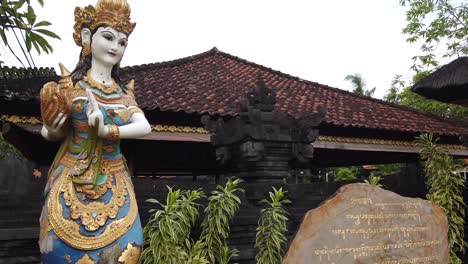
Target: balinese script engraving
column 366, row 233
column 365, row 224
column 367, row 250
column 371, row 219
column 430, row 259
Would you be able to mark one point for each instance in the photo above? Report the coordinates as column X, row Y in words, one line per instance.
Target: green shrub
column 345, row 174
column 374, row 180
column 271, row 230
column 167, row 234
column 446, row 190
column 223, row 204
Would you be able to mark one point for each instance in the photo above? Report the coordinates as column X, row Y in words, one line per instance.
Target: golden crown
column 113, row 13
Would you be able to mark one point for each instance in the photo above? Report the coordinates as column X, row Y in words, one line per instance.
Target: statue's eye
column 123, row 43
column 108, row 37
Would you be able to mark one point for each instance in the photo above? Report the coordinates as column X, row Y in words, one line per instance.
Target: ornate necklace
column 107, row 89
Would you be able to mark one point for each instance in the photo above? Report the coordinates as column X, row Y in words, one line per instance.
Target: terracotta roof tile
column 213, row 82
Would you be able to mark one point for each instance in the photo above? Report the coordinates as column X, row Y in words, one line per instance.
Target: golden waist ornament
column 92, row 214
column 107, row 167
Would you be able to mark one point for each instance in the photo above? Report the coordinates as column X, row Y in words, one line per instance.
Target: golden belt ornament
column 108, row 167
column 93, row 214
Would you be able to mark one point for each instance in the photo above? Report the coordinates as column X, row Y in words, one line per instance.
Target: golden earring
column 86, row 50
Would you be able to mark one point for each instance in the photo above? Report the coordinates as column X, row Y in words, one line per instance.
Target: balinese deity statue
column 90, row 213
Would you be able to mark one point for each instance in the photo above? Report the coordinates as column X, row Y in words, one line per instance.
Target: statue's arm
column 139, row 127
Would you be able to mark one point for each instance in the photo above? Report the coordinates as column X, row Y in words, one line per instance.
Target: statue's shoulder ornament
column 55, row 97
column 128, row 98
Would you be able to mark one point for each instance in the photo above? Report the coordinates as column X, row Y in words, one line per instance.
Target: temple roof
column 447, row 84
column 24, row 83
column 213, row 83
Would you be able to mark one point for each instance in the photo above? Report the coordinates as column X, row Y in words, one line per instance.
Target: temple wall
column 20, row 207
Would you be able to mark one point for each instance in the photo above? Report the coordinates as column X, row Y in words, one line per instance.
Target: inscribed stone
column 363, row 223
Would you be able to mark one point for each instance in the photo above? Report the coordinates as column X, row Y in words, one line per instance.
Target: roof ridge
column 215, row 51
column 441, row 118
column 175, row 62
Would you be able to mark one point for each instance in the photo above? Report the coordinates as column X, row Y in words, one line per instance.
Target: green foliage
column 195, row 253
column 20, row 16
column 271, row 230
column 346, row 173
column 359, row 85
column 374, row 180
column 410, row 99
column 167, row 234
column 223, row 204
column 387, row 169
column 446, row 190
column 435, row 22
column 6, row 149
column 353, row 172
column 225, row 254
column 407, row 98
column 439, row 26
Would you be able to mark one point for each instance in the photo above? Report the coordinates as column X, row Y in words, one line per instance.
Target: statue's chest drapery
column 118, row 115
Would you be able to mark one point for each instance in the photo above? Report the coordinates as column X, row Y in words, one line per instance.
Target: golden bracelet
column 114, row 133
column 135, row 110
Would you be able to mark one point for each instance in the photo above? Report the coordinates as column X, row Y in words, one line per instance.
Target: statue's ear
column 85, row 36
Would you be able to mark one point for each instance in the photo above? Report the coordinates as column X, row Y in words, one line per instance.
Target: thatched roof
column 447, row 84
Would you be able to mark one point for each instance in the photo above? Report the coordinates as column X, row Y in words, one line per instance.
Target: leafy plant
column 167, row 234
column 374, row 180
column 271, row 230
column 408, row 98
column 20, row 16
column 227, row 254
column 434, row 22
column 446, row 190
column 223, row 204
column 346, row 173
column 195, row 253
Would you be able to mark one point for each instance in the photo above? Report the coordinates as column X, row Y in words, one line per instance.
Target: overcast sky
column 320, row 41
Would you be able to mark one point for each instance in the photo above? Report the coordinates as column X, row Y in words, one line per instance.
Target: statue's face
column 108, row 46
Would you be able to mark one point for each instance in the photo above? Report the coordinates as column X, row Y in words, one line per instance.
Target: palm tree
column 359, row 85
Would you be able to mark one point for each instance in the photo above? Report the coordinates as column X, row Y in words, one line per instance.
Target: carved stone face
column 108, row 46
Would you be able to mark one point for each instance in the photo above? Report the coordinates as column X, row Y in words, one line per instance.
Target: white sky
column 321, row 41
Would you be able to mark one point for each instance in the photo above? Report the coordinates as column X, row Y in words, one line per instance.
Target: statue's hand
column 95, row 116
column 55, row 130
column 57, row 125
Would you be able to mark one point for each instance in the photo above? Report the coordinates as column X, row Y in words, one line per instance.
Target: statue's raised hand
column 95, row 116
